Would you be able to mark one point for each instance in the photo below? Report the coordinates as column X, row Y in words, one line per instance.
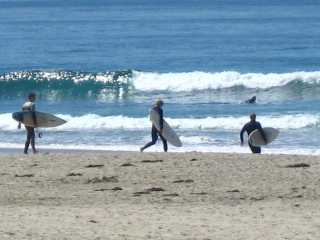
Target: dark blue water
column 101, row 65
column 165, row 36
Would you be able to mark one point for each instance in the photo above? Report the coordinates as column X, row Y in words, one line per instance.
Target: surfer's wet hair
column 159, row 102
column 32, row 95
column 253, row 116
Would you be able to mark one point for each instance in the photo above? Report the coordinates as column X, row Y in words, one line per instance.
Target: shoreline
column 45, row 151
column 132, row 195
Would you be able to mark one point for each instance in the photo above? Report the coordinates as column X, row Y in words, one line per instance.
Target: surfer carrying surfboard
column 249, row 128
column 29, row 106
column 155, row 133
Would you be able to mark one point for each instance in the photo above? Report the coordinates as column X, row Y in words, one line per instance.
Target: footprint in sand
column 151, row 161
column 171, row 195
column 74, row 174
column 148, row 191
column 233, row 191
column 108, row 189
column 93, row 221
column 94, row 166
column 24, row 175
column 155, row 189
column 104, row 179
column 290, row 197
column 127, row 165
column 193, row 160
column 257, row 198
column 184, row 181
column 297, row 165
column 137, row 194
column 199, row 193
column 298, row 196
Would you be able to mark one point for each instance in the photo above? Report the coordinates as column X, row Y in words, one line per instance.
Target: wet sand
column 126, row 195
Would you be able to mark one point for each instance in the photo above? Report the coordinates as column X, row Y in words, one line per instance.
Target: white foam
column 197, row 140
column 188, row 81
column 7, row 123
column 158, row 148
column 96, row 122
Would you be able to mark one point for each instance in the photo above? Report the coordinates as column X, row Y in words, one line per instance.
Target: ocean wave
column 93, row 122
column 178, row 82
column 63, row 84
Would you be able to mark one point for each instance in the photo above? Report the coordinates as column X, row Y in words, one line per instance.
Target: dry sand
column 119, row 195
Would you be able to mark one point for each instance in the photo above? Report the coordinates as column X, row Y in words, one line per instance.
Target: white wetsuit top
column 28, row 106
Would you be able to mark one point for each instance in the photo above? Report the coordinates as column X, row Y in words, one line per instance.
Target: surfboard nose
column 18, row 116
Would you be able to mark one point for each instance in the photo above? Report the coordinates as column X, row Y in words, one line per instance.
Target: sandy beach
column 126, row 195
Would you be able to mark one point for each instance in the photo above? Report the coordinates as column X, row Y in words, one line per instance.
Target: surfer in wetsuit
column 29, row 106
column 251, row 100
column 154, row 132
column 249, row 128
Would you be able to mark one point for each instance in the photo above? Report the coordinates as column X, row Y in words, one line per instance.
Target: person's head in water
column 253, row 117
column 32, row 97
column 252, row 100
column 159, row 103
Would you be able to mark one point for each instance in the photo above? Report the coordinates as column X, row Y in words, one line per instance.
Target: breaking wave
column 178, row 82
column 68, row 84
column 93, row 122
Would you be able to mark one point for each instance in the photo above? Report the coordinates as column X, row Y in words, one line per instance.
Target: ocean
column 100, row 65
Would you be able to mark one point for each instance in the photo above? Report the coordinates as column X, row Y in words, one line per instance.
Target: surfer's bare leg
column 154, row 135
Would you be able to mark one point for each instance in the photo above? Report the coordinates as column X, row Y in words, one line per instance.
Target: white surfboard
column 256, row 139
column 168, row 133
column 44, row 120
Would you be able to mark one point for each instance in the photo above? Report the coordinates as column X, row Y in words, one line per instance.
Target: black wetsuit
column 29, row 107
column 155, row 133
column 249, row 128
column 251, row 100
